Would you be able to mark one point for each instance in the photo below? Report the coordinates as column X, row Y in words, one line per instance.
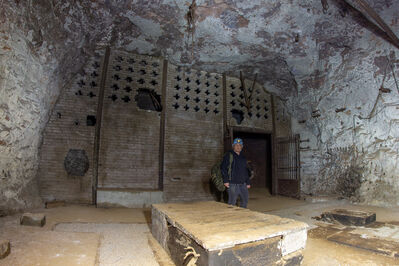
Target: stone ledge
column 128, row 198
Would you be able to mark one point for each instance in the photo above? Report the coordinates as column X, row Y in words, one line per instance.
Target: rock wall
column 351, row 125
column 327, row 67
column 41, row 44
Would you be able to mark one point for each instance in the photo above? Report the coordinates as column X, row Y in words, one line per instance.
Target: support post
column 96, row 153
column 274, row 152
column 226, row 130
column 162, row 125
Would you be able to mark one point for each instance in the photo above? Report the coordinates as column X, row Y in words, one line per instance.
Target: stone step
column 130, row 198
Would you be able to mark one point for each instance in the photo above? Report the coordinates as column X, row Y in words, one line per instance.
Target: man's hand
column 248, row 186
column 226, row 185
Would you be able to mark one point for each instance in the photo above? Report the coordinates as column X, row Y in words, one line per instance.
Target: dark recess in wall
column 91, row 120
column 238, row 115
column 257, row 150
column 148, row 100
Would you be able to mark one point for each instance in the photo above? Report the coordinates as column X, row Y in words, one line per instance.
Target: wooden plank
column 381, row 246
column 374, row 15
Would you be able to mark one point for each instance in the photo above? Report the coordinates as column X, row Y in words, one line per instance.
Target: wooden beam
column 97, row 134
column 274, row 146
column 245, row 90
column 227, row 131
column 380, row 22
column 162, row 125
column 253, row 88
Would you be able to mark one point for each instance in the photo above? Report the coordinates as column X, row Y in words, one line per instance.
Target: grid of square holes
column 259, row 114
column 127, row 73
column 195, row 91
column 88, row 83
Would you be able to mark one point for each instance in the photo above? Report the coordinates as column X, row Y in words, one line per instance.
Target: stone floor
column 84, row 235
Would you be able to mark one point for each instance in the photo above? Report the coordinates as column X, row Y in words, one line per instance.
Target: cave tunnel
column 115, row 117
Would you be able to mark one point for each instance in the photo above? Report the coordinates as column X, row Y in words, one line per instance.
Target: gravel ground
column 121, row 244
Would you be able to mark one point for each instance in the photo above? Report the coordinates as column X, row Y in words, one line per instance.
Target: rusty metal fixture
column 325, row 5
column 191, row 20
column 315, row 115
column 191, row 17
column 296, row 37
column 288, row 164
column 247, row 98
column 385, row 90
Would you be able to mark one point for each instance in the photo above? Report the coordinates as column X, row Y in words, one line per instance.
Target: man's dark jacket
column 239, row 169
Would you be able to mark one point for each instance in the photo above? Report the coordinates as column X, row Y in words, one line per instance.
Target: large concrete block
column 212, row 233
column 5, row 248
column 33, row 219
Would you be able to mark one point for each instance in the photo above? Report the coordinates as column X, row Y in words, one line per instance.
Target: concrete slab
column 128, row 198
column 215, row 228
column 379, row 237
column 385, row 247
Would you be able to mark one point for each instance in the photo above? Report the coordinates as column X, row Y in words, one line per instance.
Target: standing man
column 238, row 182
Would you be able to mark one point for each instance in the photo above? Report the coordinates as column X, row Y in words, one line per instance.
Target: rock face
column 327, row 67
column 41, row 47
column 351, row 123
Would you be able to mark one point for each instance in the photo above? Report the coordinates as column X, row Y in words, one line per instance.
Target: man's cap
column 238, row 141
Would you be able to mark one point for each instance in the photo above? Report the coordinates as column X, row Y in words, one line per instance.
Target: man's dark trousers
column 236, row 190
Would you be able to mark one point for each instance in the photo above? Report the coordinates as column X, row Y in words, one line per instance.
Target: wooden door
column 288, row 166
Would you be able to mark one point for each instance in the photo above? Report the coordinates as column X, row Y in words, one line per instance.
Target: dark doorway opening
column 258, row 151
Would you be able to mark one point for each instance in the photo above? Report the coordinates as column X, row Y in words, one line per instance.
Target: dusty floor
column 85, row 235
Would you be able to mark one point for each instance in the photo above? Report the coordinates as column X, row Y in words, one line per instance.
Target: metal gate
column 288, row 166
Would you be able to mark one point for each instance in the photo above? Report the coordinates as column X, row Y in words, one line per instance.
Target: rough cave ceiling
column 282, row 40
